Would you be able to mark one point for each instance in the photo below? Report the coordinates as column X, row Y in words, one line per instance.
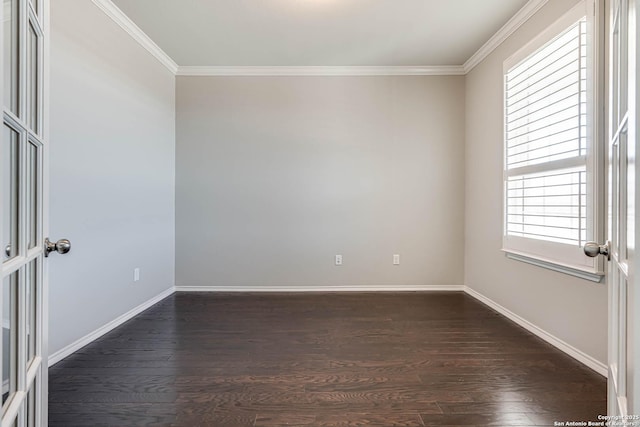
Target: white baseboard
column 321, row 288
column 579, row 355
column 87, row 339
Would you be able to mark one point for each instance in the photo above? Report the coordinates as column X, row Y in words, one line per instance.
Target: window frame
column 561, row 257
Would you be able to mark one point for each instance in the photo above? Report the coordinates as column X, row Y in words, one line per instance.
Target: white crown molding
column 448, row 70
column 522, row 16
column 527, row 11
column 119, row 17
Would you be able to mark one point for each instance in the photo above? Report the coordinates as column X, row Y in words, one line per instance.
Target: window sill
column 593, row 276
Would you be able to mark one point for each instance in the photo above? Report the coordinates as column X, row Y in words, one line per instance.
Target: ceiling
column 320, row 32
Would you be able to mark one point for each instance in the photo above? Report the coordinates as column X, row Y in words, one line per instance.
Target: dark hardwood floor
column 365, row 359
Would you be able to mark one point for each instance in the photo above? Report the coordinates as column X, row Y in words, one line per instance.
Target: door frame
column 634, row 312
column 43, row 406
column 623, row 385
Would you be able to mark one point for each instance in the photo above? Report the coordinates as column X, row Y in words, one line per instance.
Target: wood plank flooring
column 353, row 359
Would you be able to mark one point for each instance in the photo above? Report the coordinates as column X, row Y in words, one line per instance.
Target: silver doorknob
column 62, row 246
column 593, row 249
column 7, row 250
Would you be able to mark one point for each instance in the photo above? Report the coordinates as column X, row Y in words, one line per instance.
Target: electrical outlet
column 338, row 259
column 136, row 274
column 396, row 259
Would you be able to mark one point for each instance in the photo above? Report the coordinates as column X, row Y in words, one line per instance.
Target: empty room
column 320, row 213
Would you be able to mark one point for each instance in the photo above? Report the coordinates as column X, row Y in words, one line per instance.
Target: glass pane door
column 23, row 366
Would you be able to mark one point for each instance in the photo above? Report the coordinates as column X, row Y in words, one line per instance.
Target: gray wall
column 572, row 309
column 276, row 175
column 112, row 172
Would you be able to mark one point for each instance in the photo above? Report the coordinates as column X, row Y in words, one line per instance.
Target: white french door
column 624, row 309
column 22, row 186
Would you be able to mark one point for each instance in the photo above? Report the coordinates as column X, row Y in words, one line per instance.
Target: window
column 549, row 183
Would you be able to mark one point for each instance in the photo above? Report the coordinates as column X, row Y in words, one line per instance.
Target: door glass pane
column 623, row 59
column 10, row 55
column 615, row 326
column 30, row 409
column 614, row 77
column 33, row 117
column 622, row 333
column 32, row 195
column 10, row 193
column 623, row 196
column 36, row 6
column 32, row 293
column 9, row 336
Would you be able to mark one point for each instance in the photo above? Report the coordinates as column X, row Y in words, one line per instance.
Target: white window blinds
column 546, row 141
